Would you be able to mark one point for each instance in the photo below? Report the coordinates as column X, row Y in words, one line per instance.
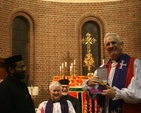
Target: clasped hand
column 109, row 92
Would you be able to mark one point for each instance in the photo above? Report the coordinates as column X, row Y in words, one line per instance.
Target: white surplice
column 56, row 107
column 131, row 94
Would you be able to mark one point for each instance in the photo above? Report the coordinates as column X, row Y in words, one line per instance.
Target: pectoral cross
column 121, row 64
column 113, row 111
column 118, row 109
column 88, row 41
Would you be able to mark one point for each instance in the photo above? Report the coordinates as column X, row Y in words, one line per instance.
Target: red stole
column 129, row 108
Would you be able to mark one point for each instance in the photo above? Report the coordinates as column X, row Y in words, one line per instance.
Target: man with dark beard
column 14, row 95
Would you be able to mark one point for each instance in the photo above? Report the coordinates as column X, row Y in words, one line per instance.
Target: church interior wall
column 55, row 32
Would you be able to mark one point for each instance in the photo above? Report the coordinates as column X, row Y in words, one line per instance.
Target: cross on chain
column 88, row 41
column 122, row 64
column 118, row 110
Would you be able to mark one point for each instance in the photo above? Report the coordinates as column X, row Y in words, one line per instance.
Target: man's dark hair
column 10, row 65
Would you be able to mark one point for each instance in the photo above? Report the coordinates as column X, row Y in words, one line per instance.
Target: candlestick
column 65, row 69
column 74, row 62
column 65, row 64
column 72, row 65
column 70, row 70
column 60, row 68
column 74, row 70
column 62, row 65
column 60, row 71
column 103, row 61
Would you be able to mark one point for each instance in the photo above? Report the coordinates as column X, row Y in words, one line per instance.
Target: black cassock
column 75, row 102
column 14, row 97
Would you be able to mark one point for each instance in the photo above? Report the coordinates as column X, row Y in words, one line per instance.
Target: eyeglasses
column 23, row 67
column 111, row 43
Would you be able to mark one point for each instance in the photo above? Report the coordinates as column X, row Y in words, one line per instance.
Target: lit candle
column 70, row 68
column 62, row 65
column 60, row 68
column 74, row 62
column 65, row 64
column 103, row 61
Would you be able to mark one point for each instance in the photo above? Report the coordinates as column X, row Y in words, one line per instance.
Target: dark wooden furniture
column 3, row 73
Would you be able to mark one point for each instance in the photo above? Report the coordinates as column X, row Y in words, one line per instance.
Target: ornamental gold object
column 88, row 60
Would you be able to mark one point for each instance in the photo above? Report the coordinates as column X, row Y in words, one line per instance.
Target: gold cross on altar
column 88, row 41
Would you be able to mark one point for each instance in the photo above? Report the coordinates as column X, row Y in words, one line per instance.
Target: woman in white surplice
column 55, row 104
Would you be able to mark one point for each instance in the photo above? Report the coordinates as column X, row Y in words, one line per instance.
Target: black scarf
column 49, row 106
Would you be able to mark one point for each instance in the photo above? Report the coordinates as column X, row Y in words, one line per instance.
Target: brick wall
column 55, row 29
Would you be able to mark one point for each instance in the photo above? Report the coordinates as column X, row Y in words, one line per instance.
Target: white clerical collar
column 114, row 63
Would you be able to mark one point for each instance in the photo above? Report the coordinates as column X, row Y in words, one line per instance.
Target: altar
column 75, row 90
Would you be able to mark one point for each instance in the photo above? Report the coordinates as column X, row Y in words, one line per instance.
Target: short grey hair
column 55, row 84
column 114, row 35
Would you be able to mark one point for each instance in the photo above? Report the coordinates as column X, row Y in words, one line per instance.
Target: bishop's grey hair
column 114, row 35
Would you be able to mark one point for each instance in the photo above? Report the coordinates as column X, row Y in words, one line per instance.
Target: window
column 20, row 37
column 94, row 29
